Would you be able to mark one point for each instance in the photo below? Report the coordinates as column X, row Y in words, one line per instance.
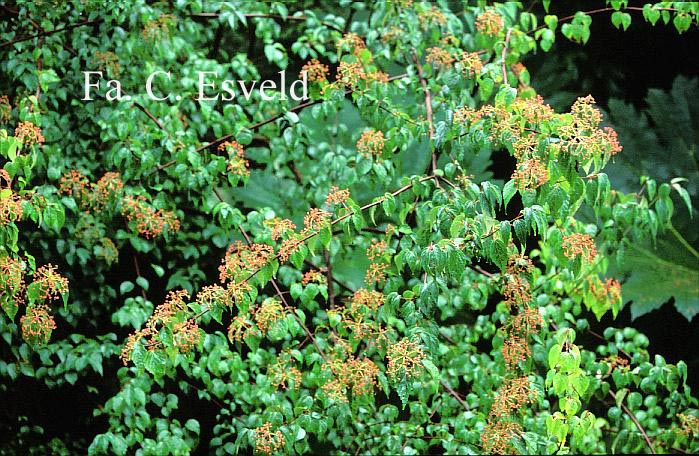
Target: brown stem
column 329, row 276
column 428, row 108
column 504, row 56
column 47, row 33
column 635, row 421
column 456, row 395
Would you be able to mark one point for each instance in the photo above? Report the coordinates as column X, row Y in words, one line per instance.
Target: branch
column 49, row 32
column 269, row 16
column 504, row 55
column 635, row 421
column 428, row 107
column 456, row 396
column 260, row 124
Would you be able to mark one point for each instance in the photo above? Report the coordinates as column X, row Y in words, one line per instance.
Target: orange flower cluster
column 335, row 390
column 470, row 64
column 10, row 209
column 315, row 219
column 515, row 349
column 377, row 269
column 5, row 109
column 171, row 313
column 51, row 284
column 498, row 435
column 239, row 329
column 530, row 174
column 237, row 164
column 75, row 184
column 368, row 298
column 350, row 73
column 313, row 276
column 358, row 375
column 689, row 425
column 37, row 325
column 500, row 431
column 371, row 143
column 283, row 373
column 337, row 196
column 186, row 335
column 431, row 17
column 241, row 259
column 211, row 295
column 279, row 227
column 12, row 273
column 107, row 61
column 583, row 138
column 607, row 292
column 489, row 23
column 439, row 57
column 351, row 42
column 579, row 244
column 148, row 222
column 270, row 312
column 159, row 28
column 315, row 71
column 268, row 442
column 105, row 192
column 404, row 359
column 28, row 134
column 465, row 114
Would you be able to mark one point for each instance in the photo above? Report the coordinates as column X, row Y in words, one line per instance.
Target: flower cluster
column 582, row 137
column 315, row 71
column 371, row 143
column 439, row 57
column 279, row 227
column 50, row 283
column 269, row 312
column 498, row 434
column 239, row 328
column 313, row 276
column 28, row 134
column 76, row 185
column 350, row 73
column 237, row 164
column 315, row 219
column 404, row 359
column 489, row 23
column 107, row 61
column 515, row 349
column 530, row 174
column 158, row 28
column 283, row 373
column 147, row 221
column 376, row 273
column 579, row 244
column 357, row 375
column 10, row 209
column 368, row 298
column 267, row 441
column 431, row 17
column 37, row 325
column 470, row 64
column 337, row 196
column 351, row 42
column 241, row 258
column 5, row 109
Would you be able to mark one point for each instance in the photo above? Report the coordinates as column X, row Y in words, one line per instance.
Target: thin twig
column 48, row 32
column 635, row 421
column 504, row 56
column 456, row 396
column 428, row 108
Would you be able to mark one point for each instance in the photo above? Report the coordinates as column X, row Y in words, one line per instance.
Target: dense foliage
column 343, row 274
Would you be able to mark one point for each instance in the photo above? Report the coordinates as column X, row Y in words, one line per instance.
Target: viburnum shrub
column 337, row 275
